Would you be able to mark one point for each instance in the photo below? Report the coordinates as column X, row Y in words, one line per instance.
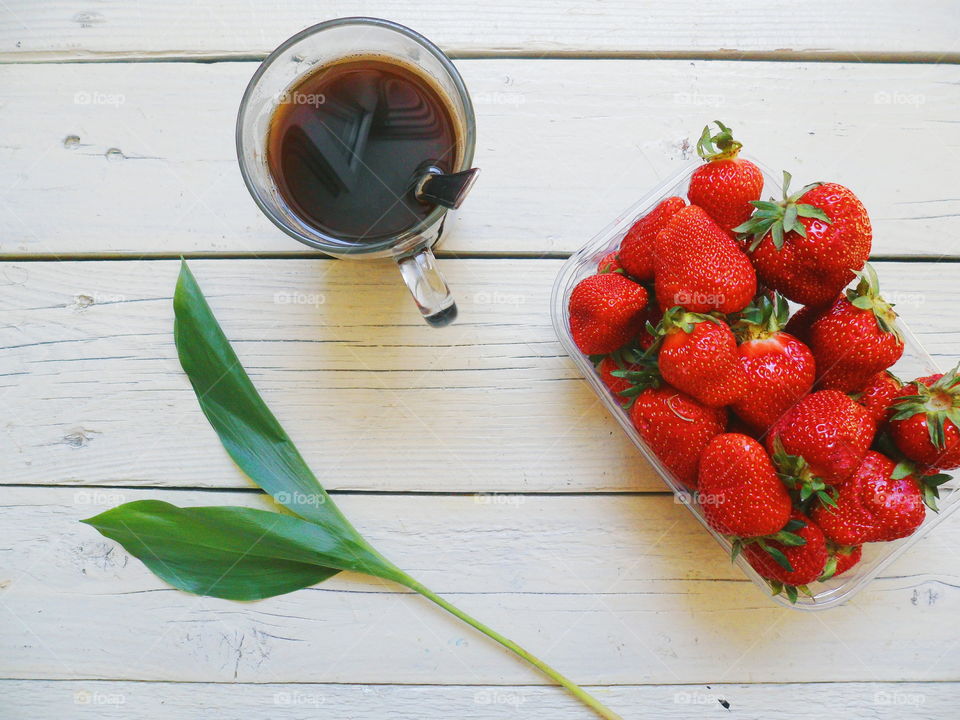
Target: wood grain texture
column 611, row 590
column 139, row 159
column 157, row 701
column 96, row 395
column 71, row 29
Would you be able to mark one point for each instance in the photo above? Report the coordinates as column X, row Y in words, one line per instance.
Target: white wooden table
column 473, row 455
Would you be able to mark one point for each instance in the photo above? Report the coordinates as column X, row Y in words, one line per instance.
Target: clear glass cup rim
column 402, row 239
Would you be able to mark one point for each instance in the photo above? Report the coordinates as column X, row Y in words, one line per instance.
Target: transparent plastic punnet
column 916, row 362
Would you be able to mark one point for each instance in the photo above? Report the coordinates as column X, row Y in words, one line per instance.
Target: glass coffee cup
column 369, row 165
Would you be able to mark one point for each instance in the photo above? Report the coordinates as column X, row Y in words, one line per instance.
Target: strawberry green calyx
column 940, row 402
column 792, row 591
column 762, row 318
column 721, row 146
column 795, row 473
column 677, row 317
column 929, row 484
column 928, row 481
column 866, row 296
column 637, row 368
column 786, row 536
column 779, row 218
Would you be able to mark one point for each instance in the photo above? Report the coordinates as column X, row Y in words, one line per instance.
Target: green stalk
column 578, row 692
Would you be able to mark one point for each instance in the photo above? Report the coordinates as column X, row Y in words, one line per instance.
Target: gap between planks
column 919, row 57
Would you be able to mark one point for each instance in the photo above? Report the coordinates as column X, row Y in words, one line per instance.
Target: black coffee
column 346, row 143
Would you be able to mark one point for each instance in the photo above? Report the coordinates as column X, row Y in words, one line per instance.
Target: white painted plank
column 565, row 145
column 216, row 28
column 42, row 699
column 612, row 590
column 95, row 394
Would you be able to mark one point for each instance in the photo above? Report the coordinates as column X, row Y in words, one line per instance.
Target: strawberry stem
column 721, row 146
column 866, row 296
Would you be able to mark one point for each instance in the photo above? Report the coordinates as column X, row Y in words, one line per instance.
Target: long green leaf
column 246, row 554
column 234, row 552
column 248, row 430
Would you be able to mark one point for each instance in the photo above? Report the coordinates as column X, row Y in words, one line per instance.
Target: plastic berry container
column 915, row 362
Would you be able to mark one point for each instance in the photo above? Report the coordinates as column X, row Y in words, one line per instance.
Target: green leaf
column 827, row 499
column 735, row 548
column 793, row 524
column 777, row 233
column 791, row 593
column 778, row 557
column 234, row 552
column 790, row 217
column 829, row 569
column 789, row 539
column 812, row 211
column 936, row 480
column 248, row 430
column 901, row 470
column 241, row 553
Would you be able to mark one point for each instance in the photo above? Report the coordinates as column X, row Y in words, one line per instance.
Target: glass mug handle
column 429, row 289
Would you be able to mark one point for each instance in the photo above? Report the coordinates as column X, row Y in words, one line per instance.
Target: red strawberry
column 725, row 185
column 609, row 263
column 676, row 428
column 878, row 395
column 606, row 311
column 873, row 505
column 651, row 317
column 808, row 246
column 700, row 267
column 806, row 561
column 841, row 559
column 828, row 431
column 627, row 373
column 926, row 421
column 739, row 490
column 780, row 369
column 856, row 338
column 799, row 323
column 636, row 248
column 606, row 368
column 698, row 355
